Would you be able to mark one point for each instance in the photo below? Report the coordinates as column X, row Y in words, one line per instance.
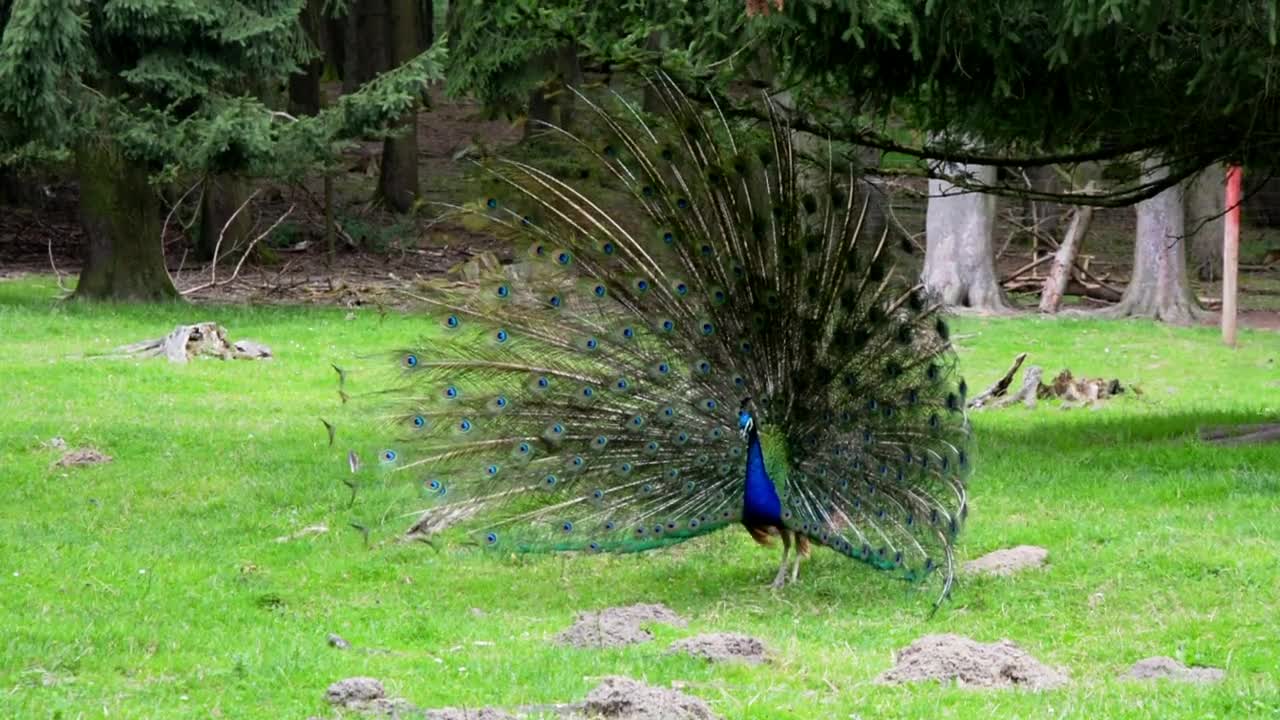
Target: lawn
column 154, row 586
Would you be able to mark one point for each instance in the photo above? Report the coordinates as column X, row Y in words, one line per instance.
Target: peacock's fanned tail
column 587, row 398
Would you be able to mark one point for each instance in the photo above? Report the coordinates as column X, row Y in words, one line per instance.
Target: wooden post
column 1231, row 256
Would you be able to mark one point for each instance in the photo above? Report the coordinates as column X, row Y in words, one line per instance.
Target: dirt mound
column 615, row 627
column 1166, row 668
column 83, row 456
column 971, row 663
column 1008, row 561
column 621, row 698
column 721, row 647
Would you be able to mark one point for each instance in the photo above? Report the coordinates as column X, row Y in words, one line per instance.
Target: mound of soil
column 1008, row 561
column 621, row 698
column 1166, row 668
column 616, row 627
column 83, row 456
column 354, row 690
column 971, row 664
column 722, row 647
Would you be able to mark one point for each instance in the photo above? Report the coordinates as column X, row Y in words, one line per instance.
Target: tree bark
column 350, row 42
column 959, row 263
column 304, row 86
column 651, row 101
column 1159, row 287
column 552, row 102
column 223, row 195
column 1206, row 200
column 373, row 51
column 1060, row 272
column 426, row 21
column 120, row 214
column 398, row 178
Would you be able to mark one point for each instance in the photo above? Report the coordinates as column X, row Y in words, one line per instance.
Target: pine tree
column 147, row 91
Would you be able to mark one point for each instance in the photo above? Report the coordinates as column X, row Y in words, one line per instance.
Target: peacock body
column 731, row 343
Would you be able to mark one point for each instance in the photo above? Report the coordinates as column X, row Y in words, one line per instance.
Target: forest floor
column 378, row 250
column 199, row 571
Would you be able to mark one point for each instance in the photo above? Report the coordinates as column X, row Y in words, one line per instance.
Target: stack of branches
column 1069, row 272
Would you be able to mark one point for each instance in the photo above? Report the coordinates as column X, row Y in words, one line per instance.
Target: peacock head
column 746, row 421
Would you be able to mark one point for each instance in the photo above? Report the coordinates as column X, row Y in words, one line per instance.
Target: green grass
column 153, row 586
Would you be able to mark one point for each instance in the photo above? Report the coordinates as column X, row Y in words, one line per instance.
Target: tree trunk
column 426, row 21
column 304, row 86
column 223, row 195
column 552, row 102
column 373, row 51
column 124, row 253
column 1159, row 287
column 350, row 51
column 398, row 179
column 652, row 102
column 569, row 75
column 1206, row 200
column 959, row 262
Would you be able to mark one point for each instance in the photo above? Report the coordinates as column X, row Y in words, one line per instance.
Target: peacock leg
column 795, row 567
column 781, row 578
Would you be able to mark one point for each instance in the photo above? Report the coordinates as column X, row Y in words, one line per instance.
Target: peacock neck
column 761, row 505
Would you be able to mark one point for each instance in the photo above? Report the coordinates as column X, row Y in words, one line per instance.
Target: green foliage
column 1192, row 78
column 178, row 85
column 503, row 49
column 153, row 586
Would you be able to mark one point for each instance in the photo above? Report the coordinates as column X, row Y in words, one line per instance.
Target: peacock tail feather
column 586, row 399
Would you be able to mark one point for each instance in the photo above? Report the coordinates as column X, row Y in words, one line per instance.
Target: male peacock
column 727, row 347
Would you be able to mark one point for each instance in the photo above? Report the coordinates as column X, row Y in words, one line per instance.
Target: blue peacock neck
column 761, row 505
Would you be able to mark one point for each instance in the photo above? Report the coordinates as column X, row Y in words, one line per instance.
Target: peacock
column 706, row 328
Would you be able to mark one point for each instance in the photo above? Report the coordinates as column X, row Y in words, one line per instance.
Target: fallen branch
column 1241, row 434
column 1000, row 386
column 213, row 271
column 1056, row 285
column 1028, row 393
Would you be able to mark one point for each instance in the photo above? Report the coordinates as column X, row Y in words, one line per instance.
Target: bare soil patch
column 1166, row 668
column 722, row 647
